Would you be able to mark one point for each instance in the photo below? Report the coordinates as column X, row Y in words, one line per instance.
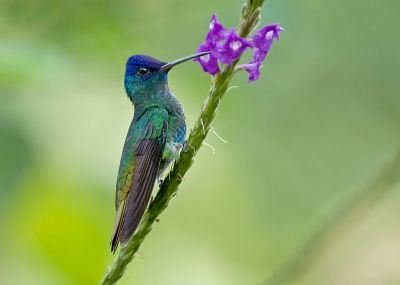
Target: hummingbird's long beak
column 171, row 64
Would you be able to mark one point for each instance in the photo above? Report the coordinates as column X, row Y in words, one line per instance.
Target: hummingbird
column 155, row 138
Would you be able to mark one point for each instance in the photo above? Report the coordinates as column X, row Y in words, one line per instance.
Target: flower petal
column 217, row 31
column 208, row 62
column 263, row 39
column 253, row 69
column 232, row 48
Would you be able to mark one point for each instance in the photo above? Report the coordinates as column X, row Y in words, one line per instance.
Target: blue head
column 143, row 72
column 147, row 75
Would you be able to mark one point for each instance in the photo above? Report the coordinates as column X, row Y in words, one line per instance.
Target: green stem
column 343, row 221
column 248, row 21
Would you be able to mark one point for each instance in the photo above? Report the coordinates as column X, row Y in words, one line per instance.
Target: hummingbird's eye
column 143, row 71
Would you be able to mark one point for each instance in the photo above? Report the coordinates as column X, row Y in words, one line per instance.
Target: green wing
column 147, row 154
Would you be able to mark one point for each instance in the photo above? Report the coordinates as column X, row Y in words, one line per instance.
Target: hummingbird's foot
column 160, row 181
column 185, row 146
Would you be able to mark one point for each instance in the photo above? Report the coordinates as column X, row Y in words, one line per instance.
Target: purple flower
column 262, row 42
column 208, row 62
column 263, row 39
column 253, row 69
column 217, row 31
column 233, row 48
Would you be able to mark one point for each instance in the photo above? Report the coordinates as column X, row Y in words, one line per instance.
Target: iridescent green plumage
column 153, row 141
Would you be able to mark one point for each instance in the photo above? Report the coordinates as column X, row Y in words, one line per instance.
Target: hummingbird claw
column 185, row 144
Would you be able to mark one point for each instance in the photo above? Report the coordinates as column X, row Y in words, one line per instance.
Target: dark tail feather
column 119, row 221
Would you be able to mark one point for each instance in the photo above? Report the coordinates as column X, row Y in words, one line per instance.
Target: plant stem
column 248, row 21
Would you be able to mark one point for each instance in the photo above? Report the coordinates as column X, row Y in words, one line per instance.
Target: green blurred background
column 304, row 140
